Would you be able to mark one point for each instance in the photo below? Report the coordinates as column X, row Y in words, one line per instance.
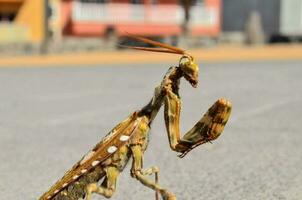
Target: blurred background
column 40, row 26
column 65, row 83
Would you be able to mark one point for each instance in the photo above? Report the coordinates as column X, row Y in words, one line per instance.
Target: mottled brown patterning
column 129, row 139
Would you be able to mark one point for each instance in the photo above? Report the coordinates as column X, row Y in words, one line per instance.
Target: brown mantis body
column 129, row 139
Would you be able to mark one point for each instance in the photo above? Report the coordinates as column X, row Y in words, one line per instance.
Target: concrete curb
column 216, row 54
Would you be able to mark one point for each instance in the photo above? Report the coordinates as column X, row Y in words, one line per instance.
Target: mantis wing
column 116, row 138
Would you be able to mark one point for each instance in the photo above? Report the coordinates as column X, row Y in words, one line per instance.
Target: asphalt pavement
column 51, row 116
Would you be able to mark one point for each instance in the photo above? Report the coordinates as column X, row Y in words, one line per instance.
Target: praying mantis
column 129, row 139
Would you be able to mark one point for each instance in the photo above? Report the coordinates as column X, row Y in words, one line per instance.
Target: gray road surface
column 50, row 117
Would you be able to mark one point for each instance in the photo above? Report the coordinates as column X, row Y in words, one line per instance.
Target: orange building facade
column 144, row 17
column 22, row 21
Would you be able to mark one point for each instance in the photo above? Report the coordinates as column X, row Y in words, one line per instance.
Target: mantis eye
column 189, row 69
column 184, row 61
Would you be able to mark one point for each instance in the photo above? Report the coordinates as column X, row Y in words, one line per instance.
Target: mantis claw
column 208, row 128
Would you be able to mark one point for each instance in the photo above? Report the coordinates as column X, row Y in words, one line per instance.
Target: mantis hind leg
column 107, row 188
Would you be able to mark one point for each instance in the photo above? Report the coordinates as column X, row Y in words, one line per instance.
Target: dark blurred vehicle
column 281, row 19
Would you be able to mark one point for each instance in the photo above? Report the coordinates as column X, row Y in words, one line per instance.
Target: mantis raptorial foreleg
column 208, row 128
column 140, row 174
column 111, row 176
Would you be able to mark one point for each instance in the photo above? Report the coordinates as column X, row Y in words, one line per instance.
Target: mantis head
column 189, row 69
column 186, row 63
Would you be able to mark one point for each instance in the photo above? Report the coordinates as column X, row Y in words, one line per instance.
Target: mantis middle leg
column 141, row 175
column 208, row 128
column 108, row 187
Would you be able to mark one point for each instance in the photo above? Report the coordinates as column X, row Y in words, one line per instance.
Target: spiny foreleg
column 208, row 128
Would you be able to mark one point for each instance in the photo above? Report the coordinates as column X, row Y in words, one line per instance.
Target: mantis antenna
column 165, row 48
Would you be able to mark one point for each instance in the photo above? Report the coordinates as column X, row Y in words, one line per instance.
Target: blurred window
column 167, row 1
column 198, row 2
column 94, row 1
column 137, row 1
column 7, row 17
